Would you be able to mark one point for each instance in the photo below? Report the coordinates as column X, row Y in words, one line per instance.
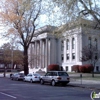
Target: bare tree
column 73, row 9
column 6, row 57
column 90, row 54
column 21, row 16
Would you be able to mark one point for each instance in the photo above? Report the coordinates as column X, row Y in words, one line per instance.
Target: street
column 19, row 90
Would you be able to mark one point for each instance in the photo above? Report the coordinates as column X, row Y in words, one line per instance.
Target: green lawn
column 85, row 76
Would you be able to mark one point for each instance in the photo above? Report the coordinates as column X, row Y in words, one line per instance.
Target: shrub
column 53, row 67
column 89, row 68
column 75, row 68
column 82, row 69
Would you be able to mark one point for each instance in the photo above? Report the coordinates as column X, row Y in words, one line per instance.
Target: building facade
column 66, row 50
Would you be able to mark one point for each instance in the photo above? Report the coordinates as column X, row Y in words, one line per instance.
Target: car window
column 29, row 75
column 54, row 74
column 21, row 74
column 15, row 74
column 62, row 74
column 48, row 74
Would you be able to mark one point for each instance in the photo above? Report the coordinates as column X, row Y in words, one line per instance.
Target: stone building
column 65, row 50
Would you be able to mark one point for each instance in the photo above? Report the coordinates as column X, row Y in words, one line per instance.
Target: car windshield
column 21, row 74
column 62, row 74
column 36, row 74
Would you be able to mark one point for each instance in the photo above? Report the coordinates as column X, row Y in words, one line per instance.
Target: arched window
column 73, row 43
column 89, row 39
column 67, row 46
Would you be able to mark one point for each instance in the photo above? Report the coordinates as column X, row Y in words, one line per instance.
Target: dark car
column 55, row 77
column 17, row 76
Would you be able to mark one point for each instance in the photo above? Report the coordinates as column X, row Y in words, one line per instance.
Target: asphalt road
column 18, row 90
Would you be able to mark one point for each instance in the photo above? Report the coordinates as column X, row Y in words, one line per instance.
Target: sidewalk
column 2, row 75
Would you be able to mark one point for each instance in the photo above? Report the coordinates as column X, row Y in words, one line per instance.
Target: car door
column 48, row 77
column 28, row 77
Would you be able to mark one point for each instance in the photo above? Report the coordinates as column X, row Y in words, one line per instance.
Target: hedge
column 87, row 68
column 53, row 67
column 75, row 68
column 82, row 68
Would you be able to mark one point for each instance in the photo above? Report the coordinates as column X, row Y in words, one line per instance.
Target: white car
column 32, row 77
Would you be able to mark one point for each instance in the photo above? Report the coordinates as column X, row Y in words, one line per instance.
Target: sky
column 2, row 40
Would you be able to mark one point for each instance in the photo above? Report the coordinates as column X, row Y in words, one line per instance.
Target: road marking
column 8, row 95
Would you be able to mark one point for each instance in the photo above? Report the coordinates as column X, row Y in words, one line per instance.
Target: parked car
column 17, row 76
column 32, row 77
column 55, row 77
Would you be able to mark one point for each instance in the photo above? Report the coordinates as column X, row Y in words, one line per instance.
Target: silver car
column 17, row 76
column 32, row 77
column 55, row 77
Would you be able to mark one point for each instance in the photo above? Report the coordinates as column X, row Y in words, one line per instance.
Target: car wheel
column 11, row 78
column 24, row 79
column 53, row 83
column 41, row 81
column 31, row 81
column 17, row 79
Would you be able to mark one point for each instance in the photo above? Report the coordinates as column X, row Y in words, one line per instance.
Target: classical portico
column 42, row 51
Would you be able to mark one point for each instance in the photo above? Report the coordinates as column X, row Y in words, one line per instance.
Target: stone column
column 32, row 55
column 46, row 53
column 49, row 51
column 43, row 54
column 40, row 54
column 65, row 51
column 70, row 49
column 35, row 54
column 59, row 52
column 77, row 49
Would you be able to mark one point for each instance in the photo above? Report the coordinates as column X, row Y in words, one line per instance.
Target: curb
column 91, row 88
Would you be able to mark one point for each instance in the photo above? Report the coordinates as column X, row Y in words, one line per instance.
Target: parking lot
column 19, row 90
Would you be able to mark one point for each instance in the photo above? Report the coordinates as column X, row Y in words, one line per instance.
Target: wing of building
column 65, row 50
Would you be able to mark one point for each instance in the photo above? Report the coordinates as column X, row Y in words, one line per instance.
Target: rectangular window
column 97, row 68
column 67, row 44
column 66, row 68
column 73, row 43
column 95, row 43
column 62, row 45
column 96, row 56
column 73, row 55
column 67, row 56
column 89, row 39
column 62, row 57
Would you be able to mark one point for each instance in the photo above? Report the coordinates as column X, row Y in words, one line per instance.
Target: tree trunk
column 26, row 70
column 93, row 72
column 5, row 71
